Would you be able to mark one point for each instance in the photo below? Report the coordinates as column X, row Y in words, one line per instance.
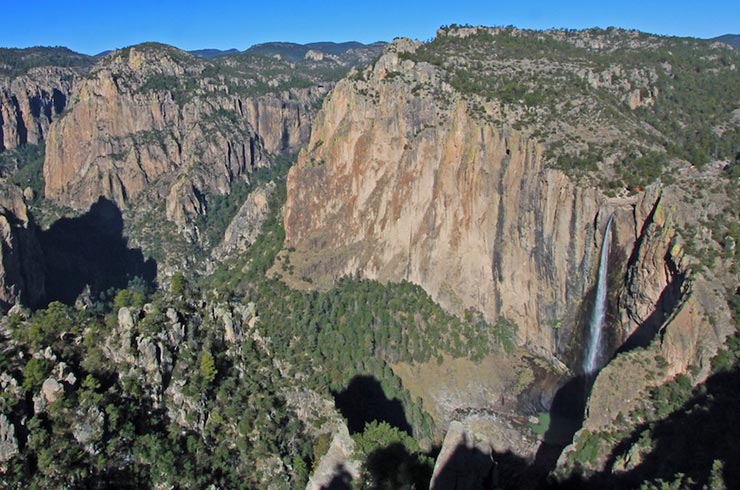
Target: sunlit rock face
column 147, row 120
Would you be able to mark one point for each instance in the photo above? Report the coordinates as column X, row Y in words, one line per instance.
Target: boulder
column 8, row 441
column 52, row 390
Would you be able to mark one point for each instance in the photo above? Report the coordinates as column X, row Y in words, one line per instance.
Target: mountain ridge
column 731, row 39
column 213, row 53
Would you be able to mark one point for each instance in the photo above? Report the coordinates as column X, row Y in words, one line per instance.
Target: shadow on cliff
column 471, row 468
column 566, row 417
column 364, row 401
column 704, row 430
column 667, row 303
column 691, row 442
column 342, row 480
column 91, row 250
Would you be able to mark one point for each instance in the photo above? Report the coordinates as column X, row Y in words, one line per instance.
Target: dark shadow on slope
column 59, row 100
column 471, row 468
column 342, row 480
column 25, row 269
column 34, row 104
column 466, row 468
column 393, row 467
column 566, row 417
column 21, row 129
column 669, row 299
column 91, row 250
column 689, row 440
column 364, row 401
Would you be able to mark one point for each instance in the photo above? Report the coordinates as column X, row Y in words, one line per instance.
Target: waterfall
column 596, row 325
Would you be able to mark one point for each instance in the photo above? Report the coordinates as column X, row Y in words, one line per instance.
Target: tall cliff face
column 400, row 185
column 154, row 118
column 407, row 178
column 35, row 84
column 673, row 321
column 21, row 258
column 29, row 103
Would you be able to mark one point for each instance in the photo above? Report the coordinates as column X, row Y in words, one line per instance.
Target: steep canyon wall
column 396, row 185
column 147, row 119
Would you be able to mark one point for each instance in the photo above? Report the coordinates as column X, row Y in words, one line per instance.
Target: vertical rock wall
column 21, row 258
column 401, row 186
column 124, row 134
column 30, row 102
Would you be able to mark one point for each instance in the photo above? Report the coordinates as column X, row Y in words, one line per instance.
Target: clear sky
column 93, row 26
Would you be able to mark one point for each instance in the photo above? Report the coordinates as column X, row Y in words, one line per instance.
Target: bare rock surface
column 148, row 118
column 21, row 257
column 246, row 225
column 336, row 466
column 8, row 441
column 30, row 102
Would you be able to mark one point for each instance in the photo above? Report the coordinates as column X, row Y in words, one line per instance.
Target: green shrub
column 34, row 374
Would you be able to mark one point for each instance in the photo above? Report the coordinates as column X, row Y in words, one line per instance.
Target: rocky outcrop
column 656, row 275
column 51, row 389
column 686, row 344
column 21, row 257
column 236, row 319
column 473, row 452
column 62, row 380
column 8, row 441
column 674, row 321
column 336, row 468
column 148, row 118
column 30, row 102
column 89, row 428
column 246, row 225
column 142, row 356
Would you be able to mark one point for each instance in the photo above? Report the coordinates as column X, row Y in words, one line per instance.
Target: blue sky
column 94, row 26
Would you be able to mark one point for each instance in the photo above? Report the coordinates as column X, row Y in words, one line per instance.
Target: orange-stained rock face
column 396, row 186
column 93, row 151
column 145, row 119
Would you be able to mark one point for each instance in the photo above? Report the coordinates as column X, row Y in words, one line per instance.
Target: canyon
column 397, row 184
column 422, row 166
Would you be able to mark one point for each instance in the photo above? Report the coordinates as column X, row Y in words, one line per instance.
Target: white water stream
column 591, row 363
